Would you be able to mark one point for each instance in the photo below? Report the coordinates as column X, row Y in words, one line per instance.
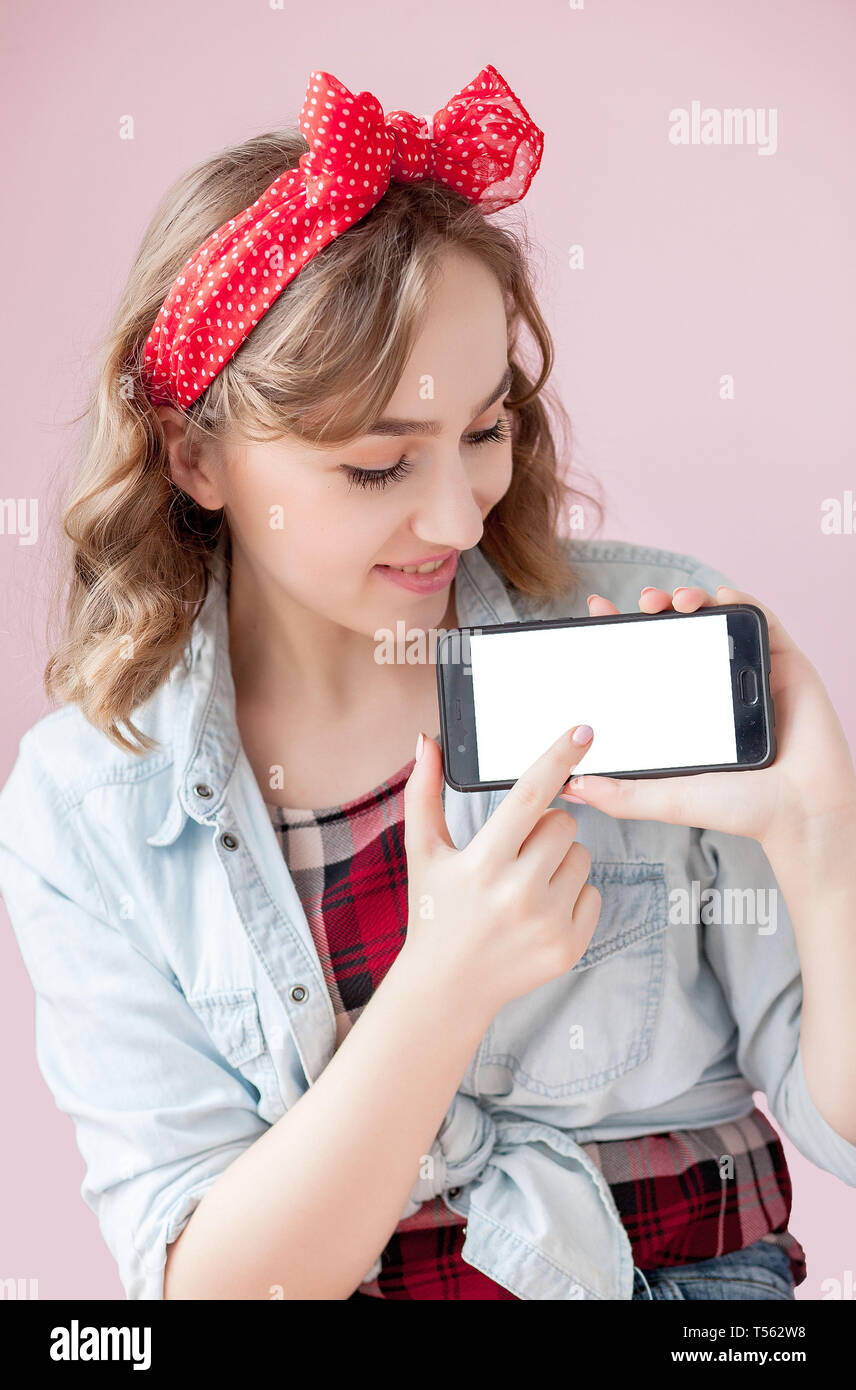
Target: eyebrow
column 391, row 426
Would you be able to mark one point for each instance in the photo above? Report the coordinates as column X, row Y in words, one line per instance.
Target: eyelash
column 381, row 477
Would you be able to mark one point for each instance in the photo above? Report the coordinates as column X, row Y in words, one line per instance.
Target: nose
column 448, row 513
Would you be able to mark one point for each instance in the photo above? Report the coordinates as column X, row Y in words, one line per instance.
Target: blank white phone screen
column 657, row 694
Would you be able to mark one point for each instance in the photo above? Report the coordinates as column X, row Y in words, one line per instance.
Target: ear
column 191, row 470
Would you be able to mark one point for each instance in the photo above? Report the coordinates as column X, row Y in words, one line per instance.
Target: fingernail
column 591, row 596
column 566, row 796
column 649, row 589
column 420, row 744
column 681, row 589
column 584, row 734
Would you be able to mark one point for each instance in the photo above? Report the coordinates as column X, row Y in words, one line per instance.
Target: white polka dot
column 398, row 147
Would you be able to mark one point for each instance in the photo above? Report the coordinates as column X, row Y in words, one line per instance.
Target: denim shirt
column 181, row 1007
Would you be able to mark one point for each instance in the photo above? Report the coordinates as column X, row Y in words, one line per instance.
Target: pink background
column 699, row 261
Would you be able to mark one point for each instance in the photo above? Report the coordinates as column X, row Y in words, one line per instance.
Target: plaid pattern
column 350, row 872
column 679, row 1200
column 693, row 1194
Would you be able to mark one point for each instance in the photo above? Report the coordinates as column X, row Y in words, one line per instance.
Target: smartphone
column 667, row 694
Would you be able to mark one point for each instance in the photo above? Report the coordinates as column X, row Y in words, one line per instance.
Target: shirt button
column 202, row 790
column 298, row 993
column 228, row 841
column 453, row 1191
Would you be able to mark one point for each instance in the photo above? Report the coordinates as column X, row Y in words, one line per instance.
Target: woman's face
column 326, row 527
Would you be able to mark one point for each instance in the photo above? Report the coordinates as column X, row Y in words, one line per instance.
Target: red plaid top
column 349, row 868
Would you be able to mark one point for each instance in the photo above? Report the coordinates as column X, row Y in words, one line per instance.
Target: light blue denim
column 760, row 1271
column 181, row 1006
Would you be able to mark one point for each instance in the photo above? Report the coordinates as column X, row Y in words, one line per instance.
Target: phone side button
column 748, row 685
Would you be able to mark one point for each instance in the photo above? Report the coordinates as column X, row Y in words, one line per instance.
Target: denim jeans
column 761, row 1270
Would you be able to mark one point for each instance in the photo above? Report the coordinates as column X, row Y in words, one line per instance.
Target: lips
column 428, row 582
column 424, row 566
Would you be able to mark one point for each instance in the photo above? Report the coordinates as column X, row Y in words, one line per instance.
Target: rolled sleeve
column 759, row 971
column 158, row 1114
column 760, row 974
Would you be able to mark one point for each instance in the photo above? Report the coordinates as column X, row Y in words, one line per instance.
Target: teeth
column 427, row 568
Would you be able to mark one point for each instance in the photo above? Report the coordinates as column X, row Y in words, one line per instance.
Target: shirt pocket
column 231, row 1019
column 596, row 1022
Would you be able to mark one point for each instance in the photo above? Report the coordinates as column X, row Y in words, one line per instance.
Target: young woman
column 326, row 1027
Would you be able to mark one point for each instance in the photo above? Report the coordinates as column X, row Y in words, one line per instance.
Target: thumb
column 780, row 639
column 424, row 819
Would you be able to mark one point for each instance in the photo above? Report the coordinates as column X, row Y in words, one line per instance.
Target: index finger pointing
column 517, row 815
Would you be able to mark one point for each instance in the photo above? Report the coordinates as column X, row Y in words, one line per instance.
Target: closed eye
column 381, row 477
column 501, row 430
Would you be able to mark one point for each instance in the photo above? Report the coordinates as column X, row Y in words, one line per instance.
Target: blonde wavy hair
column 141, row 548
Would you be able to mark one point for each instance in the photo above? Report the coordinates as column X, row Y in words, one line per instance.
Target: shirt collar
column 206, row 739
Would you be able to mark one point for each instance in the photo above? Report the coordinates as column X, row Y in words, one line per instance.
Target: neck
column 282, row 650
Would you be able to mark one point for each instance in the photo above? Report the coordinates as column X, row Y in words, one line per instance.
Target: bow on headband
column 483, row 144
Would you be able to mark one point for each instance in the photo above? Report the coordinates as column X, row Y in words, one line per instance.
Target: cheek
column 349, row 530
column 496, row 479
column 311, row 531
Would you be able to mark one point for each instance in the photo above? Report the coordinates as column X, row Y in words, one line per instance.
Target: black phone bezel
column 755, row 730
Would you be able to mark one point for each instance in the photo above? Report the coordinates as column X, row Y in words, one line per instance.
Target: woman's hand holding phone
column 512, row 909
column 808, row 788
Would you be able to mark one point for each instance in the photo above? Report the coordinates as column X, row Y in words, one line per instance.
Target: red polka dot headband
column 483, row 143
